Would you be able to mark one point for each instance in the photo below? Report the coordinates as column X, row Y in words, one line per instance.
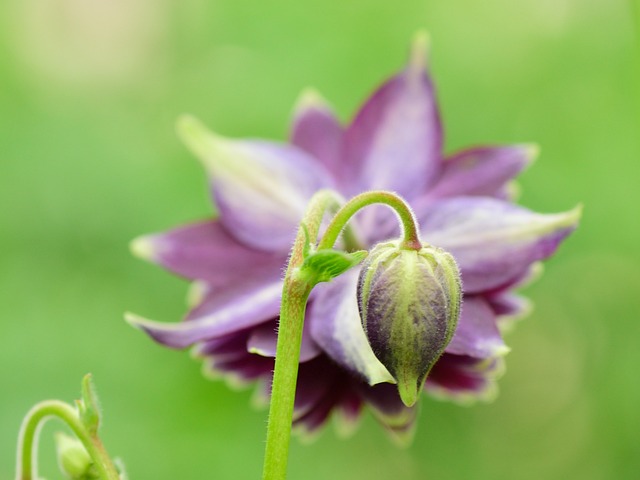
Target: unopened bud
column 409, row 304
column 73, row 459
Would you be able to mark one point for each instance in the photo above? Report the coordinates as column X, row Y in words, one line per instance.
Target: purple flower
column 261, row 189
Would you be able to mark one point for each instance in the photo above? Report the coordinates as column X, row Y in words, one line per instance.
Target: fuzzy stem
column 27, row 441
column 411, row 235
column 295, row 293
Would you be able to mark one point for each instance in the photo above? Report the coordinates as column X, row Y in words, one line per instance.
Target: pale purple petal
column 509, row 304
column 494, row 242
column 335, row 326
column 395, row 140
column 465, row 379
column 261, row 188
column 263, row 341
column 222, row 312
column 206, row 251
column 317, row 131
column 482, row 171
column 477, row 334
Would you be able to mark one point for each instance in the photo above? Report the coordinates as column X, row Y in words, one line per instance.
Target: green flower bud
column 73, row 459
column 409, row 304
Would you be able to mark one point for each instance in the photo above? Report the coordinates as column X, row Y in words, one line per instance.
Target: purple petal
column 386, row 406
column 241, row 371
column 509, row 305
column 222, row 312
column 206, row 251
column 482, row 171
column 477, row 334
column 335, row 325
column 395, row 140
column 261, row 188
column 263, row 341
column 464, row 378
column 348, row 413
column 509, row 308
column 316, row 380
column 494, row 242
column 317, row 131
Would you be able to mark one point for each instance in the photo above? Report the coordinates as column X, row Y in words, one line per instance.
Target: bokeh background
column 89, row 91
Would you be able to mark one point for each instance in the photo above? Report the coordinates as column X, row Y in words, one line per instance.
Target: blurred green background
column 89, row 90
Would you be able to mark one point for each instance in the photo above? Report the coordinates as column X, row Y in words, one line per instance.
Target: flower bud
column 409, row 304
column 73, row 459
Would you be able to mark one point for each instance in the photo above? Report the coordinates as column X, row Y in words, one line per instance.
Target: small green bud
column 73, row 459
column 409, row 304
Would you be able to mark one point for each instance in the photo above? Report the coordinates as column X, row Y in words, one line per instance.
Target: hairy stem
column 295, row 293
column 411, row 235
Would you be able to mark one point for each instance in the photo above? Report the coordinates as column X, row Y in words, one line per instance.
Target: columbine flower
column 261, row 189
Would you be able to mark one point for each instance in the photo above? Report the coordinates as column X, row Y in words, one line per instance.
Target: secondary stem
column 411, row 235
column 27, row 441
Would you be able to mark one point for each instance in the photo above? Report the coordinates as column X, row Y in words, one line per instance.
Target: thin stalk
column 411, row 235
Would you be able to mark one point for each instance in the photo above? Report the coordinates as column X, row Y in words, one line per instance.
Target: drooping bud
column 409, row 304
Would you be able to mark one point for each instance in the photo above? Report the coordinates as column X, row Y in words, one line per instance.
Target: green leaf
column 325, row 265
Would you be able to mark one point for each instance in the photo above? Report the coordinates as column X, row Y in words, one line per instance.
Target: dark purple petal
column 464, row 378
column 335, row 326
column 395, row 416
column 477, row 334
column 316, row 380
column 493, row 242
column 241, row 371
column 263, row 341
column 317, row 131
column 206, row 251
column 230, row 346
column 222, row 312
column 261, row 188
column 482, row 171
column 348, row 412
column 395, row 140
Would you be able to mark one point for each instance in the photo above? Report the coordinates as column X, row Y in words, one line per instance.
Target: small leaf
column 325, row 265
column 88, row 406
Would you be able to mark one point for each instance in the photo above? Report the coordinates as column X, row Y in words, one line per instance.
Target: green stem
column 295, row 293
column 411, row 235
column 27, row 441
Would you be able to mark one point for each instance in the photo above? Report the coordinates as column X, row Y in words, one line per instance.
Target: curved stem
column 411, row 235
column 27, row 441
column 295, row 293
